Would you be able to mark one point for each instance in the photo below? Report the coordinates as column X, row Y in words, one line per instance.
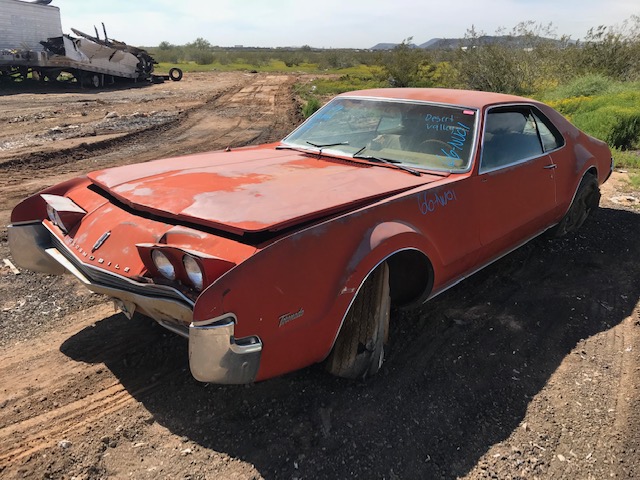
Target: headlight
column 163, row 264
column 53, row 215
column 62, row 211
column 194, row 272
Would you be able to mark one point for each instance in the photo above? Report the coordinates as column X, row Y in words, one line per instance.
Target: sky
column 329, row 23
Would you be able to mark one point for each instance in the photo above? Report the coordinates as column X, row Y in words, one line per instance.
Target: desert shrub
column 440, row 74
column 293, row 60
column 401, row 65
column 626, row 159
column 585, row 86
column 173, row 55
column 328, row 86
column 525, row 60
column 203, row 57
column 616, row 125
column 334, row 60
column 613, row 117
column 613, row 51
column 310, row 107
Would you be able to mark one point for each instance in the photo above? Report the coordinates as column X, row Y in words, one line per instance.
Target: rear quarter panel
column 580, row 153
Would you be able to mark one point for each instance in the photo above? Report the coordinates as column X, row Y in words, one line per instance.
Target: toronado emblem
column 288, row 317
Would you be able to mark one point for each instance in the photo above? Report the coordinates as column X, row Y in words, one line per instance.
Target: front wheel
column 586, row 201
column 359, row 348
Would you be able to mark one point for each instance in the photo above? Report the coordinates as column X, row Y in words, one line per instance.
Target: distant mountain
column 430, row 43
column 383, row 46
column 451, row 43
column 390, row 46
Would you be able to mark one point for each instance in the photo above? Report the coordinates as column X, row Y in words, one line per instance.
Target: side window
column 510, row 136
column 549, row 134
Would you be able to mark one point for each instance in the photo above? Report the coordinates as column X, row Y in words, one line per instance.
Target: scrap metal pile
column 32, row 44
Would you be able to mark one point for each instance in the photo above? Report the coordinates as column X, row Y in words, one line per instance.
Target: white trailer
column 32, row 41
column 23, row 25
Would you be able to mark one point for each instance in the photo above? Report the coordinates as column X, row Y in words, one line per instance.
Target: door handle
column 549, row 167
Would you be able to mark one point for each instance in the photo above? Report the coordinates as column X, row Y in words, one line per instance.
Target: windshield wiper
column 324, row 145
column 386, row 161
column 291, row 147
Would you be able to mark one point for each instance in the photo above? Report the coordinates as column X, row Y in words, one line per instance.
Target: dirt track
column 529, row 369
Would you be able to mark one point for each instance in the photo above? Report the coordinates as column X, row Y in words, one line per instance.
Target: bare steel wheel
column 359, row 348
column 586, row 200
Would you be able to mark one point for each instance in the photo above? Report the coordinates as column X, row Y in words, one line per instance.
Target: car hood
column 252, row 189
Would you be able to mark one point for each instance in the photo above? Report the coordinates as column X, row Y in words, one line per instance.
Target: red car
column 274, row 257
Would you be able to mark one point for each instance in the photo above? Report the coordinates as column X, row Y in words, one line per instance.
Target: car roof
column 465, row 98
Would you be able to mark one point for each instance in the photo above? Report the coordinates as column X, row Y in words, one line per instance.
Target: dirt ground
column 529, row 369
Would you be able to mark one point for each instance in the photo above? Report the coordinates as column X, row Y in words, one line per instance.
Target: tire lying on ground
column 359, row 348
column 175, row 74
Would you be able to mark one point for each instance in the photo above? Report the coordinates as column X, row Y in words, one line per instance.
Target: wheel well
column 410, row 278
column 593, row 171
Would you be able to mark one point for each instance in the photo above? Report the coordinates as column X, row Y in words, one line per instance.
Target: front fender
column 382, row 242
column 34, row 207
column 294, row 294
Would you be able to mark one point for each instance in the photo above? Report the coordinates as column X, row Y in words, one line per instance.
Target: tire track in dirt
column 260, row 109
column 59, row 391
column 256, row 112
column 54, row 395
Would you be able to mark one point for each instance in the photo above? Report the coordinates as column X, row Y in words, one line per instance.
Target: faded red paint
column 250, row 190
column 305, row 231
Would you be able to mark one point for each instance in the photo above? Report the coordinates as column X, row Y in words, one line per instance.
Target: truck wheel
column 359, row 348
column 94, row 80
column 175, row 74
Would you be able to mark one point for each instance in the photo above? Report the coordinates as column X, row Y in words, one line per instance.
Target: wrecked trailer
column 32, row 42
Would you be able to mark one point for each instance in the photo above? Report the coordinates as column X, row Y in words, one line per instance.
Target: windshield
column 421, row 135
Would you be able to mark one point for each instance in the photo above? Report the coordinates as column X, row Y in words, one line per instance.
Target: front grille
column 104, row 278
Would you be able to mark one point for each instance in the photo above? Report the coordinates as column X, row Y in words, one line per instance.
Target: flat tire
column 359, row 349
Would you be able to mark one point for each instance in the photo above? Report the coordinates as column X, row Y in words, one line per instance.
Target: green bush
column 585, row 86
column 616, row 125
column 203, row 57
column 310, row 107
column 402, row 64
column 613, row 117
column 625, row 159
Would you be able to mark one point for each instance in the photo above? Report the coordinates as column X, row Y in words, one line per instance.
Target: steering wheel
column 433, row 145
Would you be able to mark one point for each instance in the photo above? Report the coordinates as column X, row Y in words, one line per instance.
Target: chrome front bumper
column 215, row 355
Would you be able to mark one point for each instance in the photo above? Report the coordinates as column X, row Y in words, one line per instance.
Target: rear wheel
column 359, row 348
column 94, row 80
column 586, row 201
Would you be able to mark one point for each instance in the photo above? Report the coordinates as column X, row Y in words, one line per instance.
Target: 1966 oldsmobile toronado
column 271, row 258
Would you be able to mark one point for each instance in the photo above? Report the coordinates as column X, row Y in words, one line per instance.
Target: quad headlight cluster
column 163, row 264
column 189, row 268
column 194, row 271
